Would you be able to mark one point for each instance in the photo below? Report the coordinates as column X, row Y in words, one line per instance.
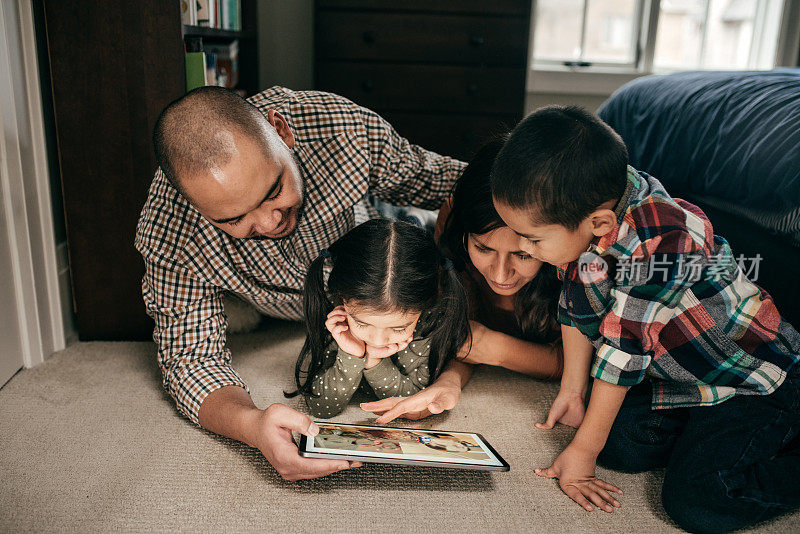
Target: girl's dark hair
column 386, row 266
column 472, row 212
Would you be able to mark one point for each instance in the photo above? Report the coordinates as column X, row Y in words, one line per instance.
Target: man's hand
column 434, row 399
column 574, row 470
column 275, row 442
column 229, row 411
column 568, row 409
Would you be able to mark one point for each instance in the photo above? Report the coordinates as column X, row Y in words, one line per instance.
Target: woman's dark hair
column 472, row 212
column 386, row 266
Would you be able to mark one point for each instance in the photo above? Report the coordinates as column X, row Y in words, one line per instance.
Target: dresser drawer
column 422, row 38
column 455, row 135
column 482, row 7
column 425, row 87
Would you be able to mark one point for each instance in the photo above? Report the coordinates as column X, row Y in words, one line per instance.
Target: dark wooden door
column 113, row 66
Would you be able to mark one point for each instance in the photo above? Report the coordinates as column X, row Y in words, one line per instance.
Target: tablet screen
column 403, row 444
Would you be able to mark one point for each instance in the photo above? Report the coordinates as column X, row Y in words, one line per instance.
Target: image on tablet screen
column 431, row 445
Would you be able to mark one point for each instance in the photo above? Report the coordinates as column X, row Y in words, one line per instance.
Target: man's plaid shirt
column 661, row 296
column 345, row 152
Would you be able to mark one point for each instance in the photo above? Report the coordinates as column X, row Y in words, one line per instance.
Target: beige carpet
column 90, row 443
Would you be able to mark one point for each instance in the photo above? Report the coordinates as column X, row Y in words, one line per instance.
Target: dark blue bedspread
column 729, row 136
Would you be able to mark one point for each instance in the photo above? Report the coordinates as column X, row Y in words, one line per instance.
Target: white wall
column 534, row 101
column 11, row 341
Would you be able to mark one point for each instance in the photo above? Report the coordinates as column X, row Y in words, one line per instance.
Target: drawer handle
column 368, row 37
column 476, row 40
column 367, row 86
column 472, row 88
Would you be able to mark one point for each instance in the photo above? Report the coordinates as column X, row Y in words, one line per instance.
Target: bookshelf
column 247, row 39
column 216, row 33
column 109, row 69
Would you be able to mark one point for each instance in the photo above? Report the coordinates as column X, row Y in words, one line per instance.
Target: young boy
column 694, row 368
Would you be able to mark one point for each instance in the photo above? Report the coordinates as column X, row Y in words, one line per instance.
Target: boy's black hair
column 472, row 212
column 387, row 266
column 560, row 162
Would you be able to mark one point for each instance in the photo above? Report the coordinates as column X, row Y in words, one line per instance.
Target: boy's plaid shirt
column 345, row 152
column 662, row 296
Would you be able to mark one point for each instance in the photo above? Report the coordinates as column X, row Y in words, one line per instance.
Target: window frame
column 599, row 79
column 555, row 64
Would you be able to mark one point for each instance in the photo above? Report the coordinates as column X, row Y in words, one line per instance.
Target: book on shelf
column 211, row 64
column 195, row 62
column 211, row 67
column 231, row 15
column 205, row 13
column 189, row 12
column 226, row 62
column 220, row 14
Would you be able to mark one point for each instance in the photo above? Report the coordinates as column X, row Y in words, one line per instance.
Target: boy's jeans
column 728, row 466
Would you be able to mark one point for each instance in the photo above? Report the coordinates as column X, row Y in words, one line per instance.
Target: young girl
column 393, row 314
column 512, row 297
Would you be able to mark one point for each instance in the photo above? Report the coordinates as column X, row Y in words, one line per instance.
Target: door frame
column 24, row 178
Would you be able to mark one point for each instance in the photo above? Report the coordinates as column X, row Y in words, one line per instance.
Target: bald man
column 246, row 195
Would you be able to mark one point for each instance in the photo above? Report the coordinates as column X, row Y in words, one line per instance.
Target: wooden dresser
column 446, row 74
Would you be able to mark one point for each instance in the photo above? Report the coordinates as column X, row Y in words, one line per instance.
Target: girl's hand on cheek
column 337, row 326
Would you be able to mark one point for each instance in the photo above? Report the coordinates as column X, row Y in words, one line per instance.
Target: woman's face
column 496, row 255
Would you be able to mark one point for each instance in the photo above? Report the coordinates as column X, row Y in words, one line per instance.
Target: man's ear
column 281, row 126
column 603, row 221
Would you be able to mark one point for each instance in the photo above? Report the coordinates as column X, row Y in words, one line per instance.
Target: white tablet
column 410, row 446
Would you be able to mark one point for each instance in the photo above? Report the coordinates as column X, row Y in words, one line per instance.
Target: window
column 642, row 36
column 716, row 34
column 585, row 32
